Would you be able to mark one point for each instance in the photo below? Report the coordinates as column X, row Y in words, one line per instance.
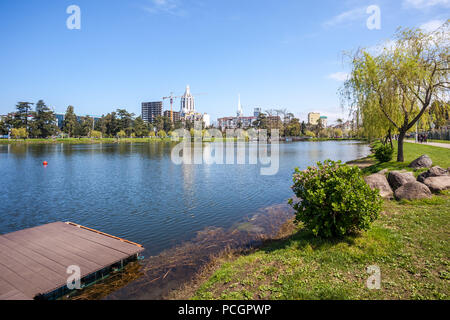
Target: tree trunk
column 390, row 138
column 401, row 137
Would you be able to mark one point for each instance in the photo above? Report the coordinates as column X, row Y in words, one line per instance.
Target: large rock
column 379, row 181
column 413, row 190
column 437, row 184
column 421, row 162
column 397, row 178
column 433, row 172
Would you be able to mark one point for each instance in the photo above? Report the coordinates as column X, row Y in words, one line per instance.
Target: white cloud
column 339, row 76
column 164, row 6
column 432, row 25
column 378, row 49
column 421, row 4
column 347, row 16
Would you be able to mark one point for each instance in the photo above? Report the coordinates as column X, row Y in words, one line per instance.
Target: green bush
column 334, row 200
column 384, row 153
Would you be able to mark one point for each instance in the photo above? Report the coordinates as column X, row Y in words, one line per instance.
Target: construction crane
column 171, row 98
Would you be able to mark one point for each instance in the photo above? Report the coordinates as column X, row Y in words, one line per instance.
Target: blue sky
column 275, row 53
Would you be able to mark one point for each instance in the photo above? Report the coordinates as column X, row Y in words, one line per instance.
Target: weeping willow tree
column 394, row 89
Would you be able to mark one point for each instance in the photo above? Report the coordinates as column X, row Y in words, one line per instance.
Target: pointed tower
column 187, row 102
column 240, row 112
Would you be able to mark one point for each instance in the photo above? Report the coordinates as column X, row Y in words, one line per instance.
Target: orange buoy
column 45, row 163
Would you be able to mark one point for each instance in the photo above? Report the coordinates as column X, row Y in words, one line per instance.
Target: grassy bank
column 82, row 140
column 440, row 157
column 409, row 243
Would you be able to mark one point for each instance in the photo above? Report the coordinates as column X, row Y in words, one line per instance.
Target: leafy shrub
column 334, row 200
column 162, row 134
column 20, row 133
column 384, row 153
column 121, row 134
column 310, row 134
column 96, row 134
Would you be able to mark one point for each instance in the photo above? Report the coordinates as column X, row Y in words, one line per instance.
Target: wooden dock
column 34, row 262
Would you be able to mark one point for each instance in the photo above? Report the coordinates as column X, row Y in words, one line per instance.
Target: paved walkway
column 434, row 144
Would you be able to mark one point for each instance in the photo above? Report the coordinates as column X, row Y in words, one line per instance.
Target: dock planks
column 34, row 261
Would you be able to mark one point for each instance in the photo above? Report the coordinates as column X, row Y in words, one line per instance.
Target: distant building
column 187, row 102
column 151, row 110
column 207, row 120
column 60, row 120
column 236, row 122
column 313, row 118
column 257, row 112
column 324, row 121
column 176, row 115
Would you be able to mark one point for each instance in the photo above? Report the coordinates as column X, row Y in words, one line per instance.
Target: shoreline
column 75, row 141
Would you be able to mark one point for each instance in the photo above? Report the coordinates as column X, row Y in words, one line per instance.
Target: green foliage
column 3, row 128
column 121, row 134
column 310, row 134
column 335, row 200
column 43, row 125
column 162, row 134
column 384, row 153
column 394, row 89
column 96, row 134
column 293, row 128
column 19, row 133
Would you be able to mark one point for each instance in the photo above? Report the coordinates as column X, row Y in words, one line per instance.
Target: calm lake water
column 134, row 191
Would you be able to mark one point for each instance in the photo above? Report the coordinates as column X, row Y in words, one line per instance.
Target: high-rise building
column 187, row 102
column 257, row 112
column 151, row 110
column 313, row 118
column 176, row 115
column 324, row 121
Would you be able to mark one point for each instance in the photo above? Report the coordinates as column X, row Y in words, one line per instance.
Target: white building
column 187, row 102
column 207, row 120
column 240, row 112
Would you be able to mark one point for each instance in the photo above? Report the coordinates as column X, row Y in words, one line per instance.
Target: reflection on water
column 134, row 191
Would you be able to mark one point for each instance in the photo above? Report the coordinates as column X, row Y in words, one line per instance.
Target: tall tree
column 3, row 128
column 112, row 124
column 140, row 128
column 399, row 85
column 44, row 123
column 125, row 121
column 70, row 121
column 23, row 111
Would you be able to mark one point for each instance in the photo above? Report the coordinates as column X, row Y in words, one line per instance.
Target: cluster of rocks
column 403, row 184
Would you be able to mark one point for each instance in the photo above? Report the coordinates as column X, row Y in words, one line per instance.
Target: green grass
column 410, row 244
column 440, row 157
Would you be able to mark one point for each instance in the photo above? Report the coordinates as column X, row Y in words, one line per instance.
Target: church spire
column 240, row 112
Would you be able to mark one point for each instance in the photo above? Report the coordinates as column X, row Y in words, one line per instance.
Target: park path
column 434, row 144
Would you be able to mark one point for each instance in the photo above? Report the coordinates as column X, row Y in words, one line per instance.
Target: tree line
column 42, row 123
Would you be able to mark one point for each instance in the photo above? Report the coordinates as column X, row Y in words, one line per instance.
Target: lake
column 134, row 191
